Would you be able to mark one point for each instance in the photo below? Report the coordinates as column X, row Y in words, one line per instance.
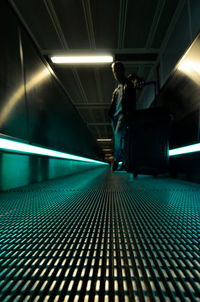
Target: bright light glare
column 9, row 145
column 185, row 150
column 104, row 139
column 36, row 79
column 189, row 66
column 82, row 59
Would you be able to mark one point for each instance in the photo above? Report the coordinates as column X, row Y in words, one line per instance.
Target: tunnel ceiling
column 134, row 32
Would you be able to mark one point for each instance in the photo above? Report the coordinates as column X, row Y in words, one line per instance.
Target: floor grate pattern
column 100, row 236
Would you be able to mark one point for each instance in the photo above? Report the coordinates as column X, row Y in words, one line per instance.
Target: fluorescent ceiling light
column 107, row 150
column 82, row 59
column 104, row 139
column 185, row 150
column 13, row 146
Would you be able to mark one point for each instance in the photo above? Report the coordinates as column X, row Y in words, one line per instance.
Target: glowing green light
column 13, row 146
column 185, row 150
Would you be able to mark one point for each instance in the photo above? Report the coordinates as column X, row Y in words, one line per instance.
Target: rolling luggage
column 147, row 142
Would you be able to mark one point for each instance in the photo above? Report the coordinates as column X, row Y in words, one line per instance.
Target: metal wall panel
column 53, row 120
column 37, row 83
column 35, row 108
column 13, row 118
column 33, row 105
column 179, row 40
column 19, row 170
column 181, row 96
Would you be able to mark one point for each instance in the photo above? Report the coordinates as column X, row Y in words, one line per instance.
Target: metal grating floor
column 100, row 236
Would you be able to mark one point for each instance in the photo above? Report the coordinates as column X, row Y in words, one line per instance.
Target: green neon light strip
column 185, row 150
column 12, row 146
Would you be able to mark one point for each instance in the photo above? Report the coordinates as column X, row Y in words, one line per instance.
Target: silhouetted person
column 122, row 107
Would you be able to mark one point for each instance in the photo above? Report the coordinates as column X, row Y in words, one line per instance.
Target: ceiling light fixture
column 104, row 139
column 81, row 59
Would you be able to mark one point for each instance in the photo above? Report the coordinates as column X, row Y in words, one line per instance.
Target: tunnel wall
column 179, row 92
column 19, row 170
column 181, row 97
column 35, row 109
column 183, row 32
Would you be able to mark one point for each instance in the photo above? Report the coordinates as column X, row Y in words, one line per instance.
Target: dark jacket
column 128, row 100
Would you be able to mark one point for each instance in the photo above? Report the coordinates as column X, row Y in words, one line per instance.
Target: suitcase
column 146, row 149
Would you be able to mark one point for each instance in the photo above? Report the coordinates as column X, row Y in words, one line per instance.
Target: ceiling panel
column 71, row 17
column 38, row 20
column 166, row 16
column 145, row 71
column 89, row 83
column 100, row 116
column 107, row 83
column 86, row 115
column 66, row 76
column 140, row 16
column 106, row 23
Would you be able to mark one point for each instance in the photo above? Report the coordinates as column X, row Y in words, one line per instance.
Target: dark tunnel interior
column 70, row 228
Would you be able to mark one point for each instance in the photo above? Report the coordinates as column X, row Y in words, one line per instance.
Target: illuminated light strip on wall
column 13, row 146
column 81, row 59
column 185, row 150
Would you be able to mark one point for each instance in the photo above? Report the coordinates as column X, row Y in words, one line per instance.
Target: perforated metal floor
column 100, row 236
